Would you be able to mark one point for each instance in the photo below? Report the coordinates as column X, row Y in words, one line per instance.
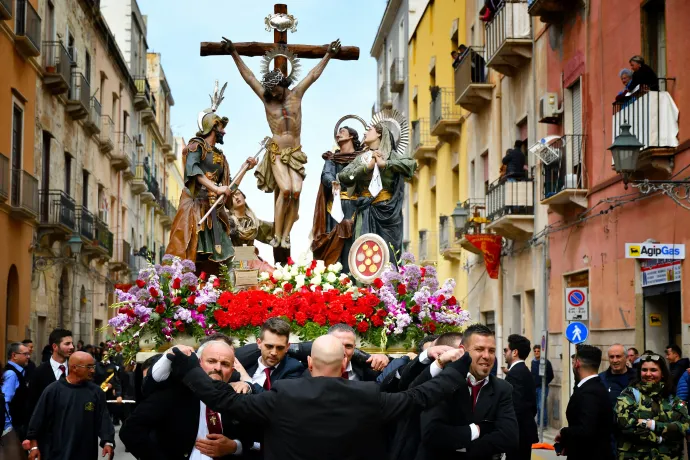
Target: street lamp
column 75, row 244
column 460, row 215
column 626, row 152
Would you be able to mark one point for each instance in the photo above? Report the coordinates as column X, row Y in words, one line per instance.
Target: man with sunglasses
column 71, row 415
column 15, row 390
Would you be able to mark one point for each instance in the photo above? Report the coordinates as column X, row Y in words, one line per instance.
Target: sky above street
column 176, row 28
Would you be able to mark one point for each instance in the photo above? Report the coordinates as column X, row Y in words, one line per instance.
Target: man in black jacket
column 524, row 395
column 589, row 412
column 172, row 423
column 15, row 391
column 643, row 75
column 323, row 416
column 676, row 363
column 538, row 380
column 515, row 162
column 478, row 420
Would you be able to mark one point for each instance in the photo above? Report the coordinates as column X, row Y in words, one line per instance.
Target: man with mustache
column 172, row 423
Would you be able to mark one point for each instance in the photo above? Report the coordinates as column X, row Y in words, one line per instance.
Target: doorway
column 662, row 316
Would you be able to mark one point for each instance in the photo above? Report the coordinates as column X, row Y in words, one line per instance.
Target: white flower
column 294, row 271
column 300, row 280
column 277, row 290
column 327, row 287
column 320, row 267
column 338, row 267
column 316, row 280
column 343, row 277
column 264, row 276
column 278, row 274
column 287, row 275
column 331, row 278
column 313, row 288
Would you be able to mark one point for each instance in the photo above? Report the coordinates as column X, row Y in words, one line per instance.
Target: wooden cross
column 347, row 53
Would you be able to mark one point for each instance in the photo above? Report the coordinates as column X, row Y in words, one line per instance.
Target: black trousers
column 524, row 452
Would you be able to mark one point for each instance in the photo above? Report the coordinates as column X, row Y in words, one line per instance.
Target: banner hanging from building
column 490, row 245
column 660, row 271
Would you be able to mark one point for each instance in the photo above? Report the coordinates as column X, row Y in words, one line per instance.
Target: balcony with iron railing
column 106, row 139
column 85, row 224
column 143, row 95
column 4, row 178
column 93, row 121
column 104, row 238
column 27, row 29
column 147, row 196
column 428, row 249
column 510, row 207
column 120, row 259
column 58, row 67
column 552, row 11
column 168, row 143
column 122, row 156
column 397, row 75
column 653, row 118
column 472, row 90
column 446, row 116
column 57, row 213
column 129, row 172
column 563, row 178
column 138, row 184
column 23, row 195
column 423, row 143
column 385, row 98
column 473, row 223
column 6, row 9
column 508, row 38
column 79, row 98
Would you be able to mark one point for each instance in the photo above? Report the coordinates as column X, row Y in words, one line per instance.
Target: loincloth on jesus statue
column 293, row 157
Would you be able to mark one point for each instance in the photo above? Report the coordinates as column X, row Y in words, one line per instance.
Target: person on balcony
column 478, row 74
column 515, row 163
column 456, row 58
column 489, row 9
column 626, row 78
column 643, row 75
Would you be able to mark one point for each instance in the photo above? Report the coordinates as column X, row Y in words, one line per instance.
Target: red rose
column 346, row 281
column 378, row 283
column 273, row 280
column 123, row 310
column 362, row 326
column 304, row 290
column 203, row 276
column 376, row 321
column 402, row 290
column 141, row 284
column 381, row 313
column 452, row 301
column 160, row 309
column 131, row 313
column 191, row 299
column 153, row 291
column 415, row 310
column 216, row 283
column 290, row 261
column 308, row 272
column 431, row 327
column 423, row 270
column 179, row 325
column 441, row 298
column 177, row 282
column 287, row 287
column 313, row 264
column 201, row 308
column 177, row 300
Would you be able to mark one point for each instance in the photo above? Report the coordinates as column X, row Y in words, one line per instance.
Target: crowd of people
column 328, row 399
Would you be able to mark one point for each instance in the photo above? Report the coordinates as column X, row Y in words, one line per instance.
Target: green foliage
column 225, row 276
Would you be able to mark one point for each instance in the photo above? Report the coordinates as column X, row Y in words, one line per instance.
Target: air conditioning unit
column 548, row 109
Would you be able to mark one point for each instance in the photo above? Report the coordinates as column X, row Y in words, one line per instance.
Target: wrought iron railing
column 80, row 89
column 24, row 191
column 471, row 69
column 56, row 60
column 104, row 236
column 442, row 106
column 85, row 223
column 125, row 144
column 28, row 23
column 510, row 21
column 4, row 176
column 143, row 87
column 421, row 135
column 476, row 208
column 510, row 197
column 567, row 172
column 95, row 116
column 57, row 208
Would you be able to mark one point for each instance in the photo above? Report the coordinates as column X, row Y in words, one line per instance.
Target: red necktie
column 267, row 382
column 475, row 392
column 61, row 367
column 346, row 376
column 213, row 422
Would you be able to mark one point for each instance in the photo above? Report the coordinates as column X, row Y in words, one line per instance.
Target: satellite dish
column 544, row 151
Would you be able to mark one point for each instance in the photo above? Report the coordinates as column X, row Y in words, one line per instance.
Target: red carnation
column 153, row 291
column 415, row 310
column 290, row 261
column 381, row 313
column 452, row 301
column 402, row 290
column 301, row 318
column 179, row 325
column 378, row 283
column 191, row 299
column 203, row 276
column 304, row 290
column 123, row 310
column 431, row 327
column 177, row 282
column 177, row 300
column 362, row 326
column 287, row 287
column 376, row 321
column 201, row 308
column 423, row 270
column 141, row 284
column 160, row 308
column 216, row 283
column 320, row 319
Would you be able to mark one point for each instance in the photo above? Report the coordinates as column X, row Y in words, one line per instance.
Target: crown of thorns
column 272, row 79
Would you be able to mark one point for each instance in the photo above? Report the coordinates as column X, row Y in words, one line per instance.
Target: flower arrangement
column 306, row 275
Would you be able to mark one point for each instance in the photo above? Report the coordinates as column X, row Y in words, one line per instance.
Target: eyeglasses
column 24, row 354
column 87, row 366
column 647, row 358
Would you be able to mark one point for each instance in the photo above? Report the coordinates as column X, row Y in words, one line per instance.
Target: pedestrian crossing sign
column 576, row 332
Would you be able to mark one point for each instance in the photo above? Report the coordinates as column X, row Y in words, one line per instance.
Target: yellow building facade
column 438, row 141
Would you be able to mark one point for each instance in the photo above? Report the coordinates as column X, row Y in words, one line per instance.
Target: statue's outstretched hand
column 251, row 162
column 334, row 47
column 228, row 45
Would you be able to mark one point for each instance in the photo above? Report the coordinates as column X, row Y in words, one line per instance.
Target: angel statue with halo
column 206, row 178
column 377, row 178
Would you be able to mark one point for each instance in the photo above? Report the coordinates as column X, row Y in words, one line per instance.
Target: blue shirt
column 10, row 384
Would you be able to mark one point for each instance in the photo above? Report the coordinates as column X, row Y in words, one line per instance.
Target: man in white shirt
column 172, row 423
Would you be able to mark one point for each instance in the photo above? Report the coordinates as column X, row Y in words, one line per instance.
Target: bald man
column 71, row 415
column 618, row 375
column 324, row 415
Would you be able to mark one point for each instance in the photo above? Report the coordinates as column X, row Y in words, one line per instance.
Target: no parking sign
column 576, row 304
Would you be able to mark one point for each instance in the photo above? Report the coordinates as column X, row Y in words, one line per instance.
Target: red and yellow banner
column 490, row 245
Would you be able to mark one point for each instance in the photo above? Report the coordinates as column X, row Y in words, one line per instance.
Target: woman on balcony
column 626, row 78
column 643, row 75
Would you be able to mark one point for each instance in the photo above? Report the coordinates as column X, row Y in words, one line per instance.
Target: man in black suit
column 31, row 366
column 355, row 370
column 172, row 423
column 524, row 395
column 60, row 341
column 589, row 412
column 478, row 420
column 323, row 416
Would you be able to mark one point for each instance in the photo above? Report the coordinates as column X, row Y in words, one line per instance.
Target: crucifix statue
column 282, row 168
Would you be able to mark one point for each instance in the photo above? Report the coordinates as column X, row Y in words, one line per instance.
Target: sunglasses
column 647, row 358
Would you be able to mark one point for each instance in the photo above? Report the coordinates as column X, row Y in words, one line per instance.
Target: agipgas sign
column 654, row 251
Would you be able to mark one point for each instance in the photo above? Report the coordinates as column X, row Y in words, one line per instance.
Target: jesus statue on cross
column 282, row 169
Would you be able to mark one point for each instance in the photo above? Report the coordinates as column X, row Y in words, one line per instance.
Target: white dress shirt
column 203, row 431
column 351, row 375
column 582, row 382
column 259, row 376
column 514, row 363
column 161, row 370
column 56, row 368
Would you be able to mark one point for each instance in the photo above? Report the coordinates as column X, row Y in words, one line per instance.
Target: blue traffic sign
column 576, row 332
column 576, row 298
